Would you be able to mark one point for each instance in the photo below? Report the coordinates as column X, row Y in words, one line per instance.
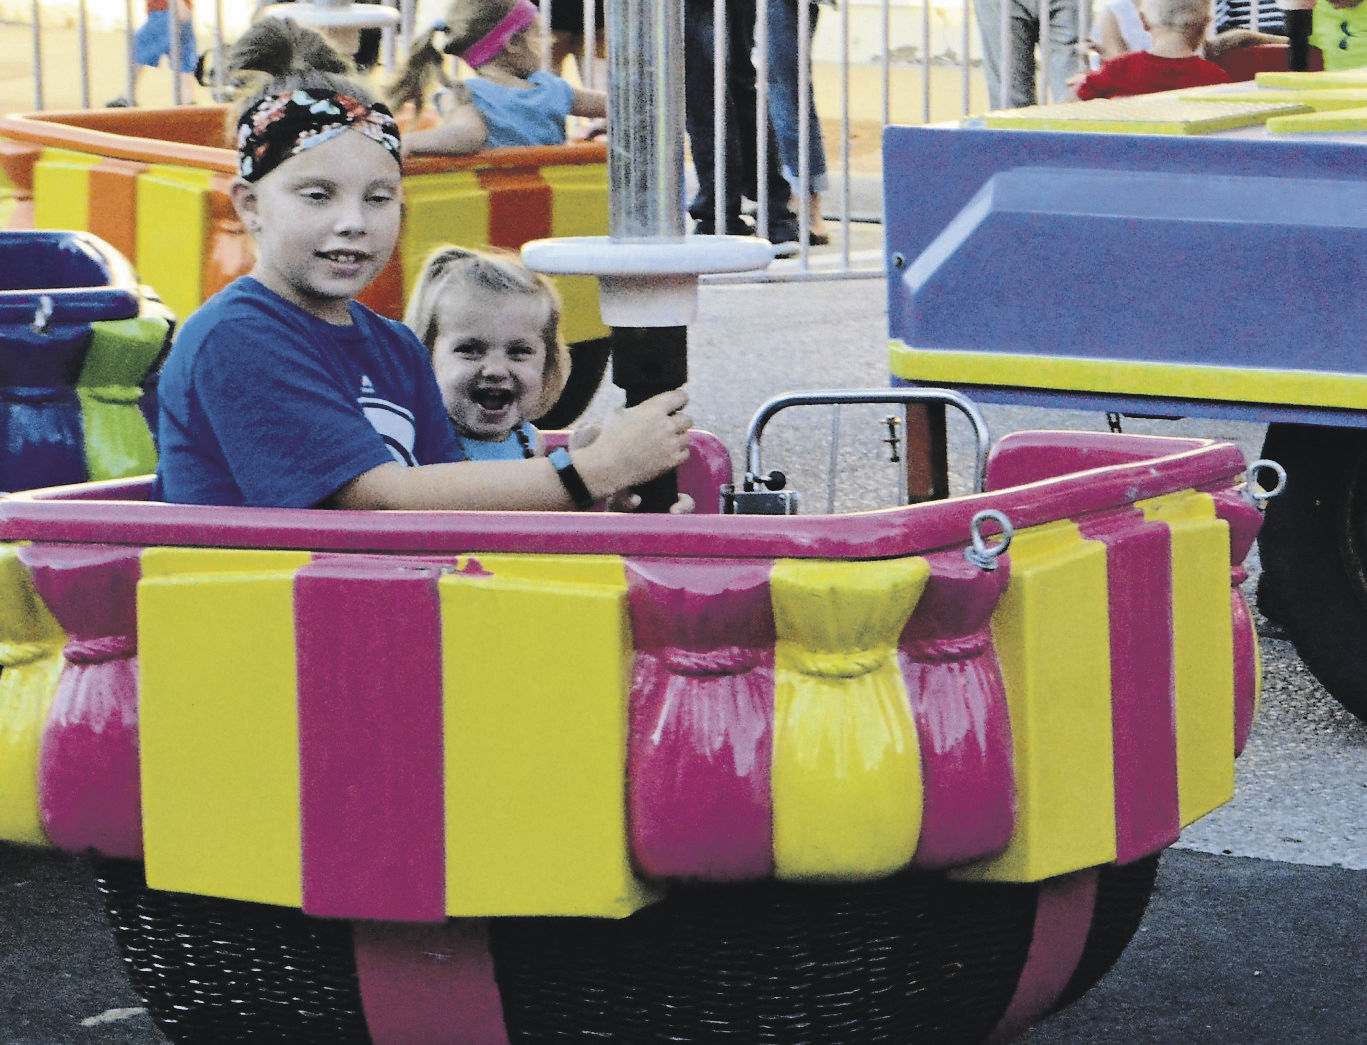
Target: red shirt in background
column 1142, row 73
column 160, row 5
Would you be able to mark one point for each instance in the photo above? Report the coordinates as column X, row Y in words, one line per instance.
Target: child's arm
column 1232, row 38
column 593, row 104
column 463, row 131
column 1110, row 42
column 635, row 445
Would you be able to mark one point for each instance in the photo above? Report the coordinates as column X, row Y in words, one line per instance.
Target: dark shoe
column 118, row 103
column 783, row 235
column 736, row 226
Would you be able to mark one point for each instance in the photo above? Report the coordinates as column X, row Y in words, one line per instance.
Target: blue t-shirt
column 509, row 449
column 262, row 403
column 517, row 116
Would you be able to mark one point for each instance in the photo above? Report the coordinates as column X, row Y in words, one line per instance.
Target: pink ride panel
column 370, row 739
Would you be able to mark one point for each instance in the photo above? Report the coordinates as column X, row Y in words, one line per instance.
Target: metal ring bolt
column 979, row 552
column 1256, row 494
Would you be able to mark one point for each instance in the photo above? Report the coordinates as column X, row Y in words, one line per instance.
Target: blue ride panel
column 56, row 288
column 42, row 440
column 1209, row 275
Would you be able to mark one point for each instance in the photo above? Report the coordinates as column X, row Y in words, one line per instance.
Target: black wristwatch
column 570, row 478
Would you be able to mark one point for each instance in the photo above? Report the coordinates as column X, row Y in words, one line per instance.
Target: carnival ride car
column 1189, row 254
column 458, row 776
column 153, row 183
column 80, row 344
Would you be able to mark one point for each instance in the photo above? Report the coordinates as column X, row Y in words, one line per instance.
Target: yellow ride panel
column 1203, row 653
column 1316, row 100
column 537, row 676
column 579, row 207
column 30, row 662
column 1317, row 81
column 847, row 787
column 173, row 234
column 440, row 209
column 1139, row 114
column 61, row 190
column 1321, row 122
column 219, row 723
column 1052, row 634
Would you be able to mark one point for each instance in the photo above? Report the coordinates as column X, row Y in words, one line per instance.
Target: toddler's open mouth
column 493, row 399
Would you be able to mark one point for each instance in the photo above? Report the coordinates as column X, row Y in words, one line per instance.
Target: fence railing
column 867, row 63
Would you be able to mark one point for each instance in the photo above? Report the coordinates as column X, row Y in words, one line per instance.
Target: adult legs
column 698, row 121
column 1064, row 60
column 784, row 111
column 1022, row 33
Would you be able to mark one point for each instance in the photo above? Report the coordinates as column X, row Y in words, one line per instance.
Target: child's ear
column 243, row 195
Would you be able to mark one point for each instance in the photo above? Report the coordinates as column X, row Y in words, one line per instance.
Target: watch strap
column 570, row 478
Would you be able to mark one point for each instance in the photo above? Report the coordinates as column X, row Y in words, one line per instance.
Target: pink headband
column 485, row 50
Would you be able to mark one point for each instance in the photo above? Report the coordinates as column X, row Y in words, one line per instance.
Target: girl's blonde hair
column 289, row 57
column 467, row 22
column 455, row 269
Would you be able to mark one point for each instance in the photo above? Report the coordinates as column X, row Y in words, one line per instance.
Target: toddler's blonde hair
column 289, row 57
column 449, row 269
column 1188, row 17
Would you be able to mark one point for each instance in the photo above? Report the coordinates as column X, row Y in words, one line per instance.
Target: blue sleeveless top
column 509, row 449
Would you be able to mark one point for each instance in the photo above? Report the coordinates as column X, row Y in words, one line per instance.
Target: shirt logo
column 395, row 425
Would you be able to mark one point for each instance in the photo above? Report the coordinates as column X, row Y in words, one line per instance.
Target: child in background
column 281, row 390
column 510, row 101
column 152, row 43
column 1120, row 28
column 1339, row 30
column 1171, row 61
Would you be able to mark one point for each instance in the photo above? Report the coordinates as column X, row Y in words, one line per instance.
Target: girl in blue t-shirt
column 282, row 390
column 510, row 100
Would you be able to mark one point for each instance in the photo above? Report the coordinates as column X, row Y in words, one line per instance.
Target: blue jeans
column 1023, row 34
column 783, row 95
column 741, row 151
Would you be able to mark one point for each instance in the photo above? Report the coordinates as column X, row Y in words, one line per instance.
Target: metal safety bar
column 754, row 468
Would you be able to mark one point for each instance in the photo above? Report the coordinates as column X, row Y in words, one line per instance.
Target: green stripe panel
column 118, row 442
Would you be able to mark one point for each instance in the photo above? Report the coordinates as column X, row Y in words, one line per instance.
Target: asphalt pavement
column 1255, row 932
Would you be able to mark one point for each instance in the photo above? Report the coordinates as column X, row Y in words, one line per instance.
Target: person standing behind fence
column 152, row 43
column 1025, row 27
column 785, row 108
column 738, row 113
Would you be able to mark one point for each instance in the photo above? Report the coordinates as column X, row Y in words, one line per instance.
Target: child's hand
column 623, row 500
column 637, row 444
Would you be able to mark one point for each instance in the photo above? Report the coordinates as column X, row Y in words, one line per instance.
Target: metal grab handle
column 42, row 315
column 1256, row 495
column 754, row 473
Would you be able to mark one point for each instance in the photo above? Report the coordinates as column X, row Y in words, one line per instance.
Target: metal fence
column 928, row 49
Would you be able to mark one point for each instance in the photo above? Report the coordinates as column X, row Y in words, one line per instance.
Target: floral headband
column 491, row 45
column 283, row 125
